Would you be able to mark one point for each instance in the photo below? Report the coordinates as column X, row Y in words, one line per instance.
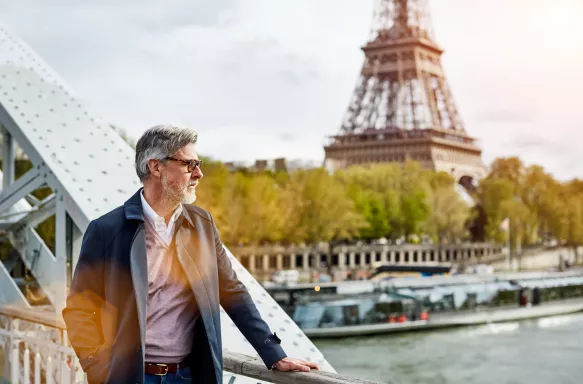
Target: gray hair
column 158, row 143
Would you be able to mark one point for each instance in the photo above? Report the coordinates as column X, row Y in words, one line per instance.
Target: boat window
column 333, row 316
column 308, row 316
column 350, row 314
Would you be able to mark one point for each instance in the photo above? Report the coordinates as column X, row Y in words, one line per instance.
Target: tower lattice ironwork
column 402, row 107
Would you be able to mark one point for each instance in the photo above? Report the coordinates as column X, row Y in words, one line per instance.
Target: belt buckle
column 165, row 372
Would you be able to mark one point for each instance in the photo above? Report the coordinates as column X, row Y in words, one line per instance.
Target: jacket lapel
column 196, row 257
column 139, row 269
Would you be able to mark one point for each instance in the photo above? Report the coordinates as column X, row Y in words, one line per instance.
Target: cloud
column 539, row 143
column 288, row 136
column 504, row 116
column 248, row 74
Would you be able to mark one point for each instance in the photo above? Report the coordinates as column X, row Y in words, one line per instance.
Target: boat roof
column 363, row 286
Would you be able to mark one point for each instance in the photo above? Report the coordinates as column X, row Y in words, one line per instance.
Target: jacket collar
column 133, row 207
column 134, row 211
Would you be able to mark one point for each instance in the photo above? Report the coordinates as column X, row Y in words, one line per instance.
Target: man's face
column 179, row 185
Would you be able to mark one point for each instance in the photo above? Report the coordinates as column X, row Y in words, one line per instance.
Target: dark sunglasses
column 191, row 164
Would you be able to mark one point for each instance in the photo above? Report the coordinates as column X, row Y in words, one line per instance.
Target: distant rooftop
column 280, row 164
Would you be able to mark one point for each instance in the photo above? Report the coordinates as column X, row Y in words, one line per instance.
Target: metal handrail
column 50, row 319
column 235, row 363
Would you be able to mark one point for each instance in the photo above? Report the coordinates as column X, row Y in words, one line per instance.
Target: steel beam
column 18, row 190
column 48, row 270
column 10, row 294
column 34, row 216
column 7, row 158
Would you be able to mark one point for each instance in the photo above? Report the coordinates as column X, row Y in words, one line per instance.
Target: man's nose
column 197, row 173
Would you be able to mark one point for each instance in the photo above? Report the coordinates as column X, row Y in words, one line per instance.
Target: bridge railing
column 36, row 350
column 34, row 347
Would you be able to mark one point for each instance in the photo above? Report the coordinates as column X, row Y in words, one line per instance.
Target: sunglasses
column 191, row 164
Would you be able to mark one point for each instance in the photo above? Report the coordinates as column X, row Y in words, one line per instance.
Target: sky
column 261, row 79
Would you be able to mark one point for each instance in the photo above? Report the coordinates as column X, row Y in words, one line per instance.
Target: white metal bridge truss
column 89, row 169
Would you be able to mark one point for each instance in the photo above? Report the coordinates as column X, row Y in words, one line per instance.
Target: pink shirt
column 172, row 309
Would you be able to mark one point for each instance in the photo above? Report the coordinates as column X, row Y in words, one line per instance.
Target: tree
column 211, row 191
column 263, row 207
column 571, row 197
column 508, row 168
column 372, row 207
column 449, row 214
column 539, row 193
column 414, row 190
column 323, row 212
column 492, row 193
column 236, row 229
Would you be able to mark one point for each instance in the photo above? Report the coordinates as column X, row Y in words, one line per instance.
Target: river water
column 542, row 351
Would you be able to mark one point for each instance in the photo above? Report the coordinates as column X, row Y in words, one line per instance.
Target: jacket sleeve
column 237, row 302
column 86, row 299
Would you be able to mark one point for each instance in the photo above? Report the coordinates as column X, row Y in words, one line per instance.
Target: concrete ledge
column 254, row 368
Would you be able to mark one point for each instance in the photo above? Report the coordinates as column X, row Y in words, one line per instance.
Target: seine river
column 548, row 350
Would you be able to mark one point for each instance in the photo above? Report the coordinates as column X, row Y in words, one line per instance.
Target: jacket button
column 91, row 358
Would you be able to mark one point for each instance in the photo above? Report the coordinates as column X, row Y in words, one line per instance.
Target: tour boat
column 409, row 304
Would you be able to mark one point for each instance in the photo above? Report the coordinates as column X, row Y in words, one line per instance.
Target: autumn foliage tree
column 540, row 207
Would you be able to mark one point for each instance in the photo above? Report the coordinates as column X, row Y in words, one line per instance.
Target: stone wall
column 357, row 261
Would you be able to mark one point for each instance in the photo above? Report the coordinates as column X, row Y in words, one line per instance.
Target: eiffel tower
column 402, row 107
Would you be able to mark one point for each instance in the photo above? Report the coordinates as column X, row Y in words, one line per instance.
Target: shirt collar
column 151, row 215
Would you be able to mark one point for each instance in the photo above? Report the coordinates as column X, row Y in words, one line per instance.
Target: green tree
column 449, row 213
column 263, row 202
column 492, row 194
column 324, row 212
column 371, row 206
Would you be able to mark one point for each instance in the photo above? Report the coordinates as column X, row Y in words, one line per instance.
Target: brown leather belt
column 162, row 369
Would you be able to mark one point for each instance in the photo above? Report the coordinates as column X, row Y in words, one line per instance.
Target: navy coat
column 107, row 304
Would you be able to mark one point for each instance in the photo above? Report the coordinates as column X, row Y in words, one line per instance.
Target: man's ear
column 154, row 167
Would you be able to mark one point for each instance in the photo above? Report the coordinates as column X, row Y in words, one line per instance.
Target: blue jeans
column 182, row 376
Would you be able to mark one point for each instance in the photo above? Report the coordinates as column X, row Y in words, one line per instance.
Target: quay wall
column 345, row 262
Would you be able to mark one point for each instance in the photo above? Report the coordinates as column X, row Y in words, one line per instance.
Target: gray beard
column 189, row 198
column 173, row 198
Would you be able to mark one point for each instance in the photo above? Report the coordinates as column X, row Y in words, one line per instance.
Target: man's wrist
column 274, row 365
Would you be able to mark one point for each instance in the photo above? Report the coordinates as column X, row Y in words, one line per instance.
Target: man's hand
column 291, row 364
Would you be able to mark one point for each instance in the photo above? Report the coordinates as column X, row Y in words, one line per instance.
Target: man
column 151, row 274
